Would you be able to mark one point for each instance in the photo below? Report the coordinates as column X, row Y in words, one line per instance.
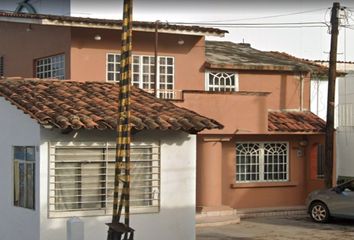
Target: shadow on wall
column 170, row 223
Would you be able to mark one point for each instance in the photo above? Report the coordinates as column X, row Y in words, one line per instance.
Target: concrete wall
column 245, row 113
column 17, row 129
column 21, row 47
column 88, row 57
column 285, row 88
column 217, row 186
column 175, row 220
column 345, row 130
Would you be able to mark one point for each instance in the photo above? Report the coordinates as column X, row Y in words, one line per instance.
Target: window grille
column 51, row 67
column 24, row 177
column 143, row 73
column 82, row 179
column 1, row 66
column 221, row 81
column 262, row 162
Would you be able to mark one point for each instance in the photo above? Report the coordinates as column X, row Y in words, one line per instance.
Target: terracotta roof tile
column 109, row 23
column 241, row 56
column 295, row 122
column 93, row 105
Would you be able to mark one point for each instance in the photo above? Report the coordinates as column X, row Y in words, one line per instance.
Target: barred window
column 143, row 73
column 1, row 66
column 221, row 81
column 24, row 176
column 51, row 67
column 262, row 162
column 82, row 179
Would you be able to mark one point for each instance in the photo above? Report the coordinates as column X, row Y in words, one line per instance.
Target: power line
column 265, row 17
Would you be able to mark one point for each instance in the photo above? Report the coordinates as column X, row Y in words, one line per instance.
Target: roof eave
column 79, row 24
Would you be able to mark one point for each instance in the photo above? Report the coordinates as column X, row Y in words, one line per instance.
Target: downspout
column 301, row 91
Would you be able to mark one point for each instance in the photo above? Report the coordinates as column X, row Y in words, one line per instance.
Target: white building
column 54, row 166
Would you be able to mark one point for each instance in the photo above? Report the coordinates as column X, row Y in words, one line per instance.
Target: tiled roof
column 109, row 23
column 295, row 122
column 93, row 105
column 229, row 55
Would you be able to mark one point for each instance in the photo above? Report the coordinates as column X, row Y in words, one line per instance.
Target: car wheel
column 319, row 212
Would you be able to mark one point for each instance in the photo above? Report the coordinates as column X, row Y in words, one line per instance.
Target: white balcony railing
column 172, row 94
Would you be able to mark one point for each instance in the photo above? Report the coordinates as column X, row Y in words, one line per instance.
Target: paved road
column 279, row 228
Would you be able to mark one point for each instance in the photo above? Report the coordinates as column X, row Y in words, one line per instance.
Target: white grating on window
column 143, row 73
column 262, row 162
column 221, row 81
column 51, row 67
column 81, row 179
column 1, row 66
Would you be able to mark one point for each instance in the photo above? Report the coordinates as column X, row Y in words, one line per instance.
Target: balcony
column 168, row 94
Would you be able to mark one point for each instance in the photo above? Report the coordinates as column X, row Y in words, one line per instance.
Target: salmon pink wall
column 253, row 195
column 88, row 58
column 238, row 112
column 285, row 88
column 20, row 47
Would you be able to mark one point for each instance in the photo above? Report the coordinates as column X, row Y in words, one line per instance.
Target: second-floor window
column 51, row 67
column 143, row 72
column 1, row 66
column 221, row 81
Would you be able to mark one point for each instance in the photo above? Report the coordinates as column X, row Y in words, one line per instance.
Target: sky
column 300, row 40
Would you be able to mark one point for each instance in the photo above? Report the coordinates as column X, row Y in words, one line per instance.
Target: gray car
column 333, row 202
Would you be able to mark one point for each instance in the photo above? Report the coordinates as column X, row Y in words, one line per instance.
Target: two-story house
column 269, row 152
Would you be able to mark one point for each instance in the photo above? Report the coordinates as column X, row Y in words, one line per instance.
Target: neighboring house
column 345, row 110
column 57, row 160
column 270, row 151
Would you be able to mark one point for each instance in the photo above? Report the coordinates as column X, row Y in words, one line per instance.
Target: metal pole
column 329, row 146
column 121, row 201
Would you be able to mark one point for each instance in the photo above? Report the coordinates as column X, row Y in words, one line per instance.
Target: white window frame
column 208, row 86
column 261, row 164
column 26, row 163
column 50, row 73
column 107, row 209
column 162, row 92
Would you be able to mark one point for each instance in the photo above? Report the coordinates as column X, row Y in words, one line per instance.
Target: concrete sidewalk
column 298, row 227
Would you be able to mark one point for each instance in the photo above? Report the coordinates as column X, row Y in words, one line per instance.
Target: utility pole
column 121, row 199
column 329, row 146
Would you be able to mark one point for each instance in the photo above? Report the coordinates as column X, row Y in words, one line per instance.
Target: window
column 143, row 73
column 221, row 81
column 24, row 177
column 82, row 179
column 1, row 66
column 51, row 67
column 262, row 162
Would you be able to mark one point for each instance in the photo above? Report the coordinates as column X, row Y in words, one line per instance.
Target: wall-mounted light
column 97, row 37
column 180, row 41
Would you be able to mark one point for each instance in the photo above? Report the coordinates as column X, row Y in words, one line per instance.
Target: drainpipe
column 301, row 91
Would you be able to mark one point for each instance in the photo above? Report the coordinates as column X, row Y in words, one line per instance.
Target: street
column 279, row 228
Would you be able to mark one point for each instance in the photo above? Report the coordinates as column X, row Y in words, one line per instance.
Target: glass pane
column 20, row 153
column 30, row 176
column 30, row 154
